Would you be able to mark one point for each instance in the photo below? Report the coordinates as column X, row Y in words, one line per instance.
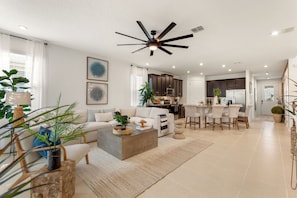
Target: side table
column 61, row 182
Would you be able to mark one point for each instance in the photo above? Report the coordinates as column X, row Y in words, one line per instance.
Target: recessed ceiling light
column 229, row 70
column 267, row 73
column 274, row 33
column 173, row 66
column 147, row 64
column 201, row 74
column 265, row 66
column 201, row 64
column 188, row 72
column 223, row 65
column 268, row 77
column 23, row 27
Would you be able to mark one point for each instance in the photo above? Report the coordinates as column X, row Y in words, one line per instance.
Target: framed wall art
column 97, row 93
column 97, row 69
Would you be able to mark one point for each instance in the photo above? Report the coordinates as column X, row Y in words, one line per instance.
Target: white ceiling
column 237, row 32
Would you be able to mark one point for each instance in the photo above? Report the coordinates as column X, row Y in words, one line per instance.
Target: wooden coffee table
column 126, row 146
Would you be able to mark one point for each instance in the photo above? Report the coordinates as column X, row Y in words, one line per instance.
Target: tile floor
column 249, row 163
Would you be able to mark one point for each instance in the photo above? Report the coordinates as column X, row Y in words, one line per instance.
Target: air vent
column 286, row 30
column 197, row 29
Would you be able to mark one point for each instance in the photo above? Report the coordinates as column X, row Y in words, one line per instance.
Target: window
column 18, row 62
column 28, row 57
column 137, row 79
column 269, row 93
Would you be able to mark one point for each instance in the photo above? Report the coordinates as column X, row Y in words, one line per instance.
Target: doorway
column 268, row 95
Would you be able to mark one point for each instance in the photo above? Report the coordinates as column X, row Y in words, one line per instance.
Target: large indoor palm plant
column 11, row 82
column 146, row 94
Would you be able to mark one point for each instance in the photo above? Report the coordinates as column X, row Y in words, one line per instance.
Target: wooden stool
column 179, row 129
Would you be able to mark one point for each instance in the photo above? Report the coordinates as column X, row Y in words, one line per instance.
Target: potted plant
column 10, row 82
column 122, row 119
column 59, row 130
column 277, row 112
column 146, row 94
column 217, row 94
column 61, row 118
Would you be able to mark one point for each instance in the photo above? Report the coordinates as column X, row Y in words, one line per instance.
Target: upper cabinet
column 168, row 80
column 160, row 83
column 227, row 84
column 178, row 87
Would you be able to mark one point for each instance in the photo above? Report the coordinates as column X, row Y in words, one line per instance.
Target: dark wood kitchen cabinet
column 160, row 83
column 227, row 84
column 155, row 85
column 168, row 80
column 178, row 87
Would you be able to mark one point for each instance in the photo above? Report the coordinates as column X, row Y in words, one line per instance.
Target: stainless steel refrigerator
column 237, row 96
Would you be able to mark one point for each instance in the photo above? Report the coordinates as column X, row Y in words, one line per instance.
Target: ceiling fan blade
column 165, row 50
column 177, row 38
column 152, row 53
column 129, row 36
column 170, row 26
column 139, row 49
column 131, row 44
column 144, row 30
column 180, row 46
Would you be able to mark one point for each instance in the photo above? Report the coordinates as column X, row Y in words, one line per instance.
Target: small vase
column 54, row 159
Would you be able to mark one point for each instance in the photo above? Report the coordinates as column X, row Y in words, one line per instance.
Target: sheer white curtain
column 138, row 76
column 4, row 52
column 35, row 71
column 34, row 63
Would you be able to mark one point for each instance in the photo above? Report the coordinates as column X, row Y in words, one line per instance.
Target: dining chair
column 216, row 113
column 244, row 116
column 232, row 115
column 192, row 117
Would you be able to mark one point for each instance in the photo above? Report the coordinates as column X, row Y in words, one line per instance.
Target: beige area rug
column 110, row 177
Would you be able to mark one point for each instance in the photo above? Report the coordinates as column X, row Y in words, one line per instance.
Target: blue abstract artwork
column 97, row 69
column 97, row 93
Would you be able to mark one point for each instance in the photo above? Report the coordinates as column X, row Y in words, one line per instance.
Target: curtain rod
column 20, row 37
column 139, row 67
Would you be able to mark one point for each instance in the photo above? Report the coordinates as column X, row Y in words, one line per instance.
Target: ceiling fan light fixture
column 153, row 46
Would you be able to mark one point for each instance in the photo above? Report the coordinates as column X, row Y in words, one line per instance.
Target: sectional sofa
column 94, row 119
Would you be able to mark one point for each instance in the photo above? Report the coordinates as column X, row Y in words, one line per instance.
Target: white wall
column 66, row 74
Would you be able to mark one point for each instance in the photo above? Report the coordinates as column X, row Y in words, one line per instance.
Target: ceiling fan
column 156, row 43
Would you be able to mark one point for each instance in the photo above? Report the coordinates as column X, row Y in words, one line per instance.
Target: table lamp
column 18, row 98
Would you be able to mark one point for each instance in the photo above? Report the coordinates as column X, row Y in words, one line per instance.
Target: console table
column 59, row 183
column 125, row 146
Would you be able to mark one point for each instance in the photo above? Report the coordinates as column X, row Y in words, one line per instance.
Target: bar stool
column 192, row 117
column 244, row 116
column 232, row 114
column 216, row 113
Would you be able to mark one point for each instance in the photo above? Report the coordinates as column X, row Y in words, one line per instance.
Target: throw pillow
column 91, row 115
column 37, row 143
column 103, row 117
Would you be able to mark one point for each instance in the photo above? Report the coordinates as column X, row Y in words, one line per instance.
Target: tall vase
column 215, row 100
column 54, row 159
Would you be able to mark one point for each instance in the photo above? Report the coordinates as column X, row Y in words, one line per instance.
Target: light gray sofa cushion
column 143, row 112
column 130, row 112
column 157, row 111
